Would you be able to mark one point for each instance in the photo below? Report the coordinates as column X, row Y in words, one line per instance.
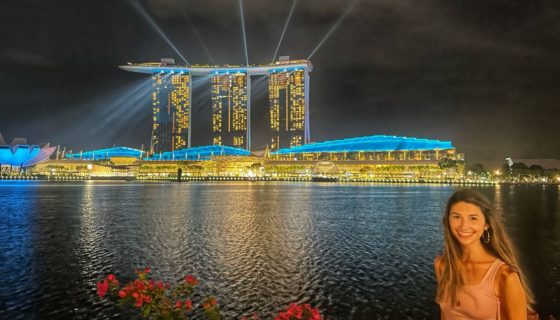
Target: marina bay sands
column 288, row 91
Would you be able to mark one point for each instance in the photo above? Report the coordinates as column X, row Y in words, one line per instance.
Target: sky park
column 290, row 155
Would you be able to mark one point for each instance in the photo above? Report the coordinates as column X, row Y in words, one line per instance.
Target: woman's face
column 467, row 223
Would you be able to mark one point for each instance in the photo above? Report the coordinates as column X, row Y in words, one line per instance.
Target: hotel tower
column 288, row 108
column 230, row 101
column 288, row 91
column 171, row 111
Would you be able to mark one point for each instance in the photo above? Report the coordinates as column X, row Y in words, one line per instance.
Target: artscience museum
column 20, row 154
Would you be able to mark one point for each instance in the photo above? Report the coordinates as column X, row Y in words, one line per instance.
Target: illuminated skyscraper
column 289, row 105
column 288, row 85
column 230, row 110
column 171, row 111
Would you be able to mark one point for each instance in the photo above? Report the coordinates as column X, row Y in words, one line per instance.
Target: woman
column 478, row 275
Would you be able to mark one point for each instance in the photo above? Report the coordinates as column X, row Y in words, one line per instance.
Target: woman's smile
column 467, row 223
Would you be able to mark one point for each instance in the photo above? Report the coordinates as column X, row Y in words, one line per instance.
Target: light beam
column 199, row 37
column 243, row 28
column 334, row 27
column 146, row 16
column 124, row 103
column 284, row 31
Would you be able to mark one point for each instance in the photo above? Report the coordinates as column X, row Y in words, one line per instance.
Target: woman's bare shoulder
column 506, row 277
column 512, row 294
column 507, row 274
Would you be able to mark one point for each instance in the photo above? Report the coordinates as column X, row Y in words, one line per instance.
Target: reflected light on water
column 354, row 251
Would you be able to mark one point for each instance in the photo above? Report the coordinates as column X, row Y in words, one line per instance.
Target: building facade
column 230, row 110
column 171, row 112
column 369, row 158
column 288, row 113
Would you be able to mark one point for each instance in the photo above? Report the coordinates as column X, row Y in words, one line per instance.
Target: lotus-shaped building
column 20, row 154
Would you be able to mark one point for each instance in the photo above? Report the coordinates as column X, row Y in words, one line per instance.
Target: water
column 354, row 251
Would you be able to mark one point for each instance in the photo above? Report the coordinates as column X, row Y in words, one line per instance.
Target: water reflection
column 19, row 206
column 355, row 251
column 530, row 214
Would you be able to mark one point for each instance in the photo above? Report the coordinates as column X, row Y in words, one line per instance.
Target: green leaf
column 212, row 314
column 146, row 311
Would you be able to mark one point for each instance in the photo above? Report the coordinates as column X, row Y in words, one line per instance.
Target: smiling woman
column 478, row 274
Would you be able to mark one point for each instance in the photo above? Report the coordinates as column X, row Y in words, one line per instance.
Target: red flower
column 153, row 297
column 159, row 284
column 209, row 303
column 295, row 311
column 102, row 287
column 191, row 280
column 188, row 304
column 139, row 285
column 113, row 282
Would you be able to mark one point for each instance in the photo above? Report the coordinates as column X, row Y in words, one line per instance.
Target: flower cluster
column 299, row 311
column 156, row 299
column 107, row 284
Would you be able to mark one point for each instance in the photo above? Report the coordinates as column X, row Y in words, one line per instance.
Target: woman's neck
column 475, row 253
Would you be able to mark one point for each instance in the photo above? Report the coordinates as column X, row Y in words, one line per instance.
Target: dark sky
column 483, row 74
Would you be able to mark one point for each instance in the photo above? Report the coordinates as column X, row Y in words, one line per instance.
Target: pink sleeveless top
column 475, row 301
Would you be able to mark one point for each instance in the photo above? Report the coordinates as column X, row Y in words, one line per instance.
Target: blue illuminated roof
column 200, row 153
column 370, row 144
column 24, row 155
column 103, row 154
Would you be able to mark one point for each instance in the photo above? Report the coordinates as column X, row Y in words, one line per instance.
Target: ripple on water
column 354, row 251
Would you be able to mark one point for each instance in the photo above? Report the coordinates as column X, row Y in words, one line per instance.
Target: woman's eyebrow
column 468, row 214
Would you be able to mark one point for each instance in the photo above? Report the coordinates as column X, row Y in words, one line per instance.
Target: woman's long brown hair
column 500, row 246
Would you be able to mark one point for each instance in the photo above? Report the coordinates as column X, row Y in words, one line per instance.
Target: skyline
column 480, row 74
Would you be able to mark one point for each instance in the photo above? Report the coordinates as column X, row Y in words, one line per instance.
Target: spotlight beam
column 334, row 27
column 284, row 31
column 124, row 107
column 126, row 95
column 146, row 16
column 195, row 30
column 243, row 28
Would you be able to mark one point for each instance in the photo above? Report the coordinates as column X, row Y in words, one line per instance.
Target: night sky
column 482, row 74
